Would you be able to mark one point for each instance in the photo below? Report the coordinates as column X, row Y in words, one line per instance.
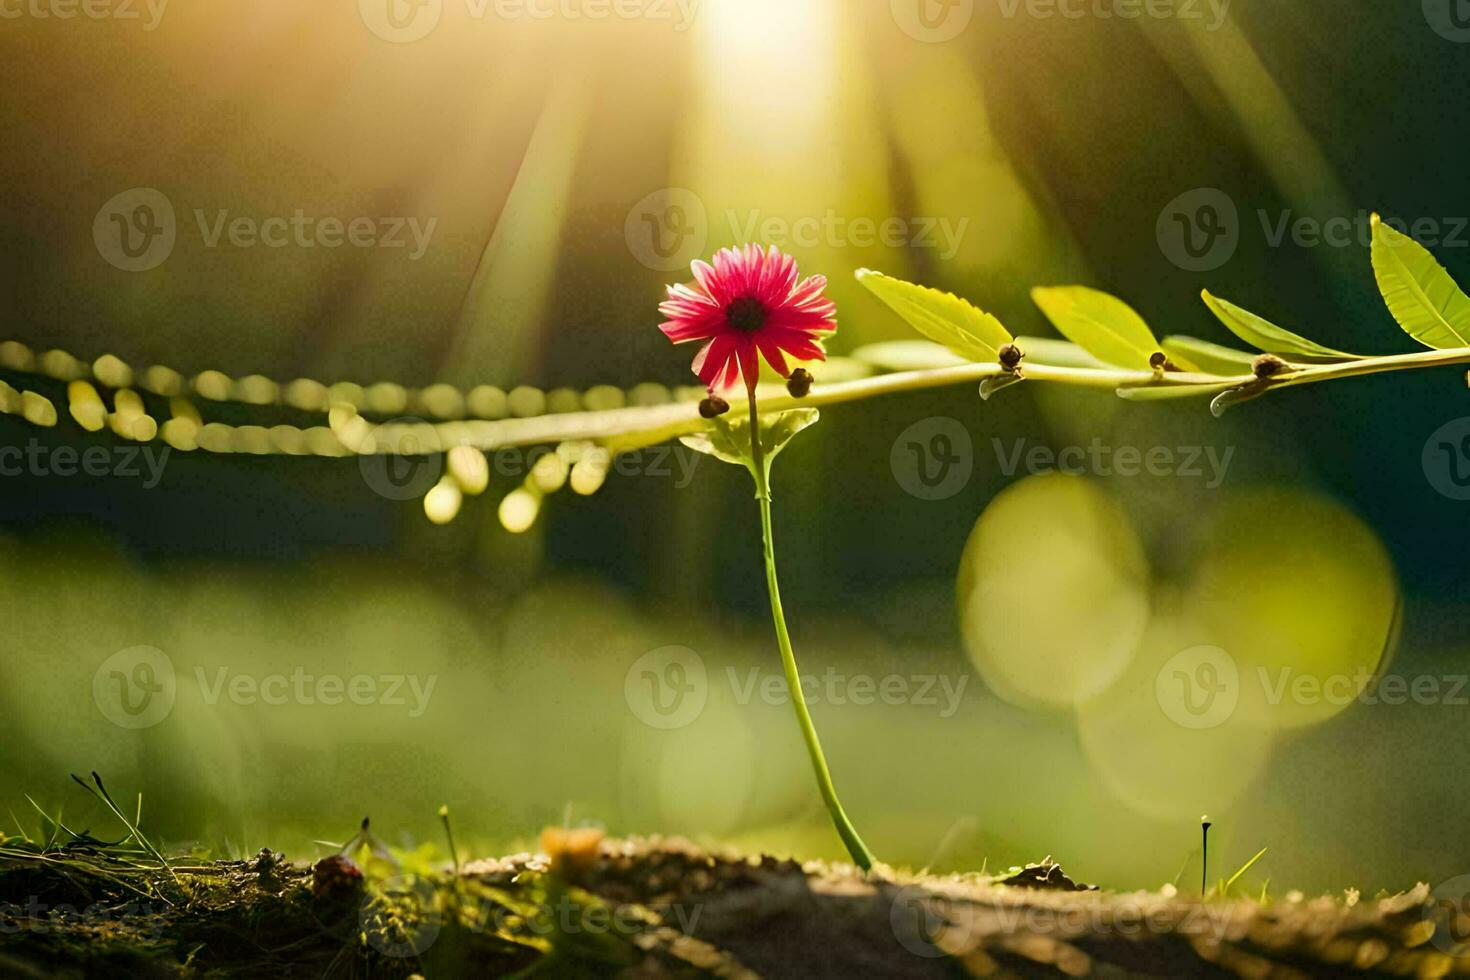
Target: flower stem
column 861, row 856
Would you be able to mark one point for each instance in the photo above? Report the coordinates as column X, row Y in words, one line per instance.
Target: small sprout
column 1158, row 361
column 713, row 407
column 800, row 383
column 1268, row 366
column 449, row 835
column 1011, row 357
column 1204, row 871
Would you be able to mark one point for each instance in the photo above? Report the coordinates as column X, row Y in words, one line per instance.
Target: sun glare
column 769, row 60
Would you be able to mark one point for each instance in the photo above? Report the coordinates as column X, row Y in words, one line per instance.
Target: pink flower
column 745, row 306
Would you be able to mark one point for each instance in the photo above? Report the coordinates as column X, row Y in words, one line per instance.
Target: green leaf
column 1419, row 292
column 729, row 439
column 1058, row 353
column 1244, row 868
column 908, row 355
column 924, row 355
column 717, row 441
column 836, row 368
column 1099, row 322
column 778, row 430
column 1210, row 358
column 942, row 317
column 1267, row 336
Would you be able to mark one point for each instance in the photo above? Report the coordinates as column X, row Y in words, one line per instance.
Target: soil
column 664, row 908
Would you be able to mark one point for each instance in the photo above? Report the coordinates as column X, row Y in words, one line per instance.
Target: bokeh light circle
column 1303, row 596
column 1053, row 592
column 1161, row 761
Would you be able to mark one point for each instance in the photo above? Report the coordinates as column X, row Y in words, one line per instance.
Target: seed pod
column 335, row 877
column 800, row 383
column 713, row 407
column 1268, row 366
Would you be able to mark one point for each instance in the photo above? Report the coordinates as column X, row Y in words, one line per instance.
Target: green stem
column 626, row 429
column 861, row 856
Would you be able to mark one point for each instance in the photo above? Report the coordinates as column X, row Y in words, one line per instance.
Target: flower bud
column 572, row 853
column 1268, row 366
column 335, row 877
column 800, row 383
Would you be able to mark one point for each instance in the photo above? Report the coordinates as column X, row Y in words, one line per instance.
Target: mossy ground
column 667, row 909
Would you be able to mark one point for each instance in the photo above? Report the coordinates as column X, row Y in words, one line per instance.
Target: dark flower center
column 746, row 314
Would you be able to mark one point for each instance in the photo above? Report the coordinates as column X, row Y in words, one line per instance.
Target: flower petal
column 707, row 277
column 798, row 314
column 681, row 330
column 714, row 359
column 750, row 365
column 800, row 346
column 771, row 351
column 682, row 292
column 811, row 289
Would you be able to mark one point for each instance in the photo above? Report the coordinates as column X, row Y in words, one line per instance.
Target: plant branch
column 626, row 429
column 633, row 428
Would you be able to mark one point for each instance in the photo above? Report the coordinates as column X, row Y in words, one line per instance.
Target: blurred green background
column 544, row 150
